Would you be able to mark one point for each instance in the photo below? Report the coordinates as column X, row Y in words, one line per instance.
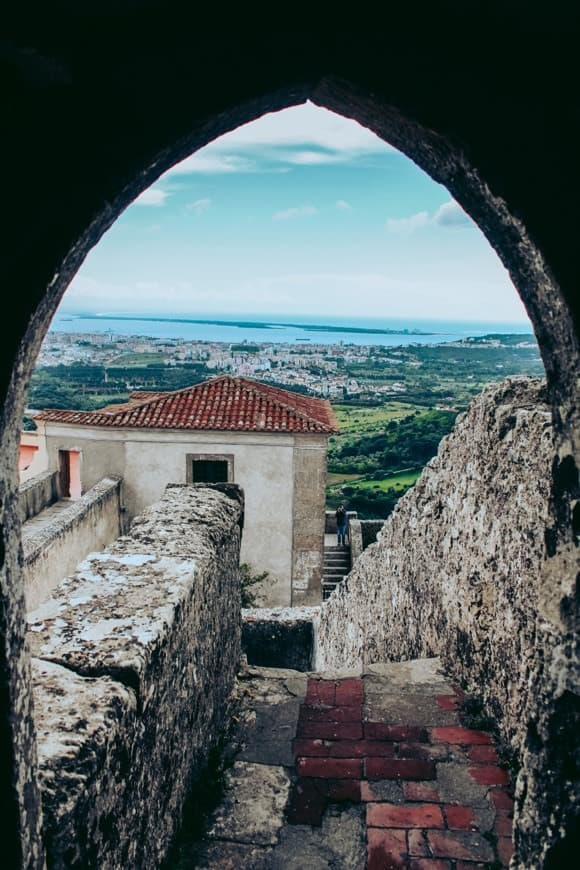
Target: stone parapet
column 135, row 656
column 58, row 537
column 37, row 493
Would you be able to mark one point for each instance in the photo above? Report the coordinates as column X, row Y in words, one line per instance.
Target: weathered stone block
column 280, row 637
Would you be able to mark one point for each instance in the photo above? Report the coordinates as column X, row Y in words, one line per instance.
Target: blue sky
column 301, row 212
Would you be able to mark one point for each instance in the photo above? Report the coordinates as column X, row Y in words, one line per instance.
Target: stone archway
column 416, row 115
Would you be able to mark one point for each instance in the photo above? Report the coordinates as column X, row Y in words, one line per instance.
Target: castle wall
column 134, row 659
column 456, row 571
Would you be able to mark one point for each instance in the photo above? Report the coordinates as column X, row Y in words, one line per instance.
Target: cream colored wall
column 149, row 460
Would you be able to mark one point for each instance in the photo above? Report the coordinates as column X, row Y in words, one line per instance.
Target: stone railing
column 37, row 493
column 134, row 659
column 55, row 541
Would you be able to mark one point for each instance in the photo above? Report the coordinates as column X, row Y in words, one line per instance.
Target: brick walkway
column 341, row 755
column 381, row 757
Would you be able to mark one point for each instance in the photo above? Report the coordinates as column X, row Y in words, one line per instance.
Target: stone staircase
column 336, row 566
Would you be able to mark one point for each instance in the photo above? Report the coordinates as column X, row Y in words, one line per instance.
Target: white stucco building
column 271, row 442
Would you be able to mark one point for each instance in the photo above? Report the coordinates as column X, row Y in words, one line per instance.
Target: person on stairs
column 341, row 525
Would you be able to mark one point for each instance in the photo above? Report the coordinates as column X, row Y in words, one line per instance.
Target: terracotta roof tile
column 222, row 403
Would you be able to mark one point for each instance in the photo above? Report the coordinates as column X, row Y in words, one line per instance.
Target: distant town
column 335, row 371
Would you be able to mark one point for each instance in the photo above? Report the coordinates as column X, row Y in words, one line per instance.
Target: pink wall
column 26, row 455
column 75, row 473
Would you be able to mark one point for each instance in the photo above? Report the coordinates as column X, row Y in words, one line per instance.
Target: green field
column 336, row 479
column 398, row 480
column 393, row 482
column 352, row 419
column 372, row 499
column 138, row 359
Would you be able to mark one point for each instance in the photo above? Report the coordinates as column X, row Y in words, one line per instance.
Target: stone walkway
column 353, row 770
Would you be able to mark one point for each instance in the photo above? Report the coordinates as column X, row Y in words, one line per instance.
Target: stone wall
column 134, row 659
column 456, row 570
column 56, row 540
column 37, row 493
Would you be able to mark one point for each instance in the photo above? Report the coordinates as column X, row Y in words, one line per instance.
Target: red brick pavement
column 340, row 757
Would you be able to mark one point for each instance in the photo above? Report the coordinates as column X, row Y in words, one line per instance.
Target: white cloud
column 343, row 205
column 289, row 213
column 306, row 125
column 300, row 135
column 310, row 158
column 407, row 225
column 450, row 214
column 199, row 206
column 153, row 196
column 205, row 161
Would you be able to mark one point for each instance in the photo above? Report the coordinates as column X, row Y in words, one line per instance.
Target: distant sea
column 275, row 329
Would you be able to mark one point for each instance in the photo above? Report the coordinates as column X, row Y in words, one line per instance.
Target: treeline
column 292, row 388
column 88, row 387
column 85, row 387
column 407, row 443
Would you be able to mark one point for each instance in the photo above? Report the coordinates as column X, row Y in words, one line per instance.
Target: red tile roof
column 222, row 403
